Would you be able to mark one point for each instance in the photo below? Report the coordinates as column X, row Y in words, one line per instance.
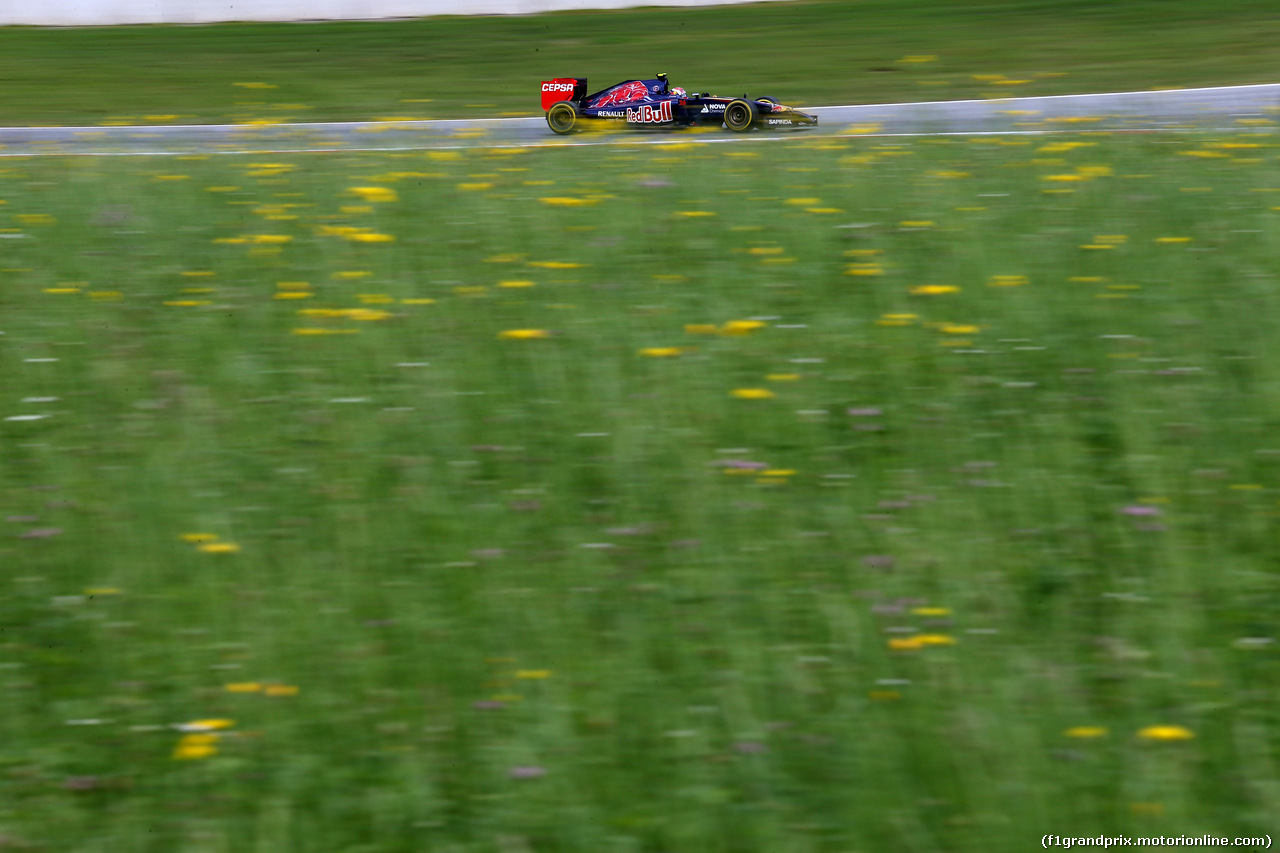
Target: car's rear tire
column 739, row 115
column 563, row 117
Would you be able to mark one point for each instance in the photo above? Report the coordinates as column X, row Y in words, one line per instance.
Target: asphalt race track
column 1221, row 108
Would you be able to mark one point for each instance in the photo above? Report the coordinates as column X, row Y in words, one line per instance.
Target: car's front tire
column 563, row 117
column 740, row 115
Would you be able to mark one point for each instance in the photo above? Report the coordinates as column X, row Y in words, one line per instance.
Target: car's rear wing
column 563, row 89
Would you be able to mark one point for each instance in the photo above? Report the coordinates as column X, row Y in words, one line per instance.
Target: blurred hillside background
column 809, row 52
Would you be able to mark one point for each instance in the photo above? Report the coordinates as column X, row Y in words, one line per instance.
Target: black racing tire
column 563, row 117
column 740, row 114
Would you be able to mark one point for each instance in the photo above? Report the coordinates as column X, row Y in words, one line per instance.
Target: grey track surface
column 1231, row 107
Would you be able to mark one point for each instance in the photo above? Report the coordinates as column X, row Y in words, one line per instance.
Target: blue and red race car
column 655, row 103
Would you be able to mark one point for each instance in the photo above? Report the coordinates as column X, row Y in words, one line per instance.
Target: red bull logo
column 624, row 94
column 647, row 114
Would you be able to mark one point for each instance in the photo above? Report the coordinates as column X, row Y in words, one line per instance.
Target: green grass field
column 826, row 495
column 808, row 52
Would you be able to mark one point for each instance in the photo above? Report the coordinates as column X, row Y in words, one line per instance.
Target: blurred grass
column 554, row 593
column 809, row 52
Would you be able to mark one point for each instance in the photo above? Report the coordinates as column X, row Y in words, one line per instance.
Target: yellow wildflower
column 742, row 327
column 367, row 314
column 752, row 393
column 1086, row 731
column 374, row 193
column 524, row 334
column 243, row 687
column 935, row 640
column 210, row 725
column 1165, row 733
column 219, row 548
column 533, row 673
column 196, row 746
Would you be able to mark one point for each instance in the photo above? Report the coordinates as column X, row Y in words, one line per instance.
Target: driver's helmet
column 678, row 92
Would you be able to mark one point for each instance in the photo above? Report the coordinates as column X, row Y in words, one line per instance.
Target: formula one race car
column 654, row 103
